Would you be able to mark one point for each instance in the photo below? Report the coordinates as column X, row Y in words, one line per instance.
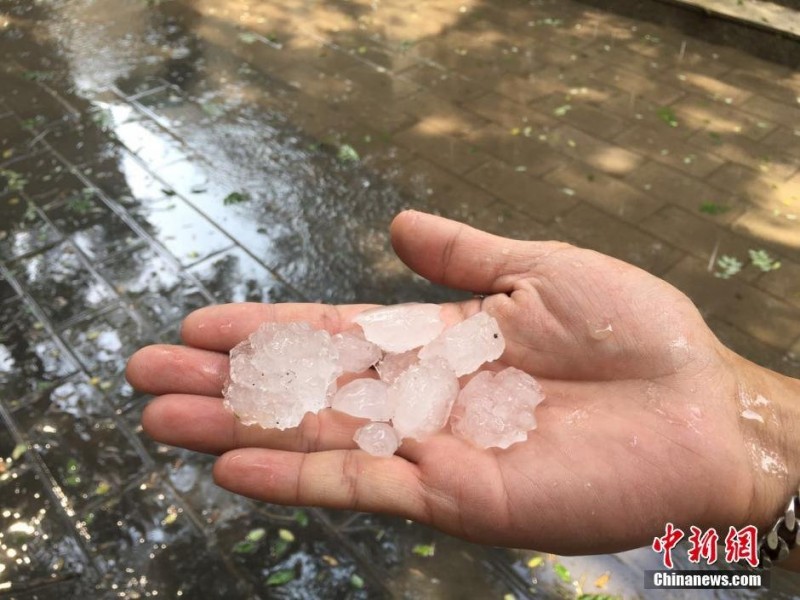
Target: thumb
column 460, row 256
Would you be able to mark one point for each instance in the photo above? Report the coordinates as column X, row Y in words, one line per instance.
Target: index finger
column 222, row 326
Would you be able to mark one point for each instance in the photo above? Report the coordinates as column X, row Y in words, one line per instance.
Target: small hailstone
column 467, row 345
column 366, row 398
column 393, row 365
column 423, row 396
column 496, row 410
column 401, row 327
column 379, row 439
column 281, row 372
column 356, row 354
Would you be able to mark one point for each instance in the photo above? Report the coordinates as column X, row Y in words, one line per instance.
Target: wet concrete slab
column 160, row 156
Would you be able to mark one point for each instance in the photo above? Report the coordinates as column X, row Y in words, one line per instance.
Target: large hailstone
column 467, row 345
column 496, row 410
column 281, row 372
column 422, row 397
column 401, row 327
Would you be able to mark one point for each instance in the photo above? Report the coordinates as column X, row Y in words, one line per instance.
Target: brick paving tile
column 700, row 237
column 610, row 194
column 718, row 119
column 453, row 153
column 784, row 113
column 517, row 146
column 440, row 114
column 774, row 162
column 766, row 318
column 522, row 190
column 756, row 350
column 708, row 87
column 783, row 282
column 784, row 140
column 506, row 113
column 773, row 228
column 447, row 84
column 591, row 228
column 666, row 147
column 674, row 187
column 634, row 83
column 574, row 110
column 772, row 85
column 612, row 158
column 756, row 187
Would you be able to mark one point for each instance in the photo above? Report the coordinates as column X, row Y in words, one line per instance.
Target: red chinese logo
column 742, row 545
column 667, row 543
column 703, row 545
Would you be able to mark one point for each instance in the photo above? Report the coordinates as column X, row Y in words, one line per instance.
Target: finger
column 221, row 327
column 342, row 479
column 164, row 369
column 460, row 256
column 203, row 424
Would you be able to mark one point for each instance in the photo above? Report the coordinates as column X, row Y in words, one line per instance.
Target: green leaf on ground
column 278, row 548
column 763, row 261
column 38, row 75
column 236, row 198
column 18, row 451
column 666, row 114
column 356, row 581
column 301, row 517
column 535, row 562
column 348, row 154
column 281, row 577
column 712, row 208
column 14, row 181
column 72, row 480
column 256, row 534
column 286, row 535
column 425, row 550
column 244, row 547
column 728, row 266
column 562, row 572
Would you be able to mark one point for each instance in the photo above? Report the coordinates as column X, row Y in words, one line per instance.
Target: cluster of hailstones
column 399, row 367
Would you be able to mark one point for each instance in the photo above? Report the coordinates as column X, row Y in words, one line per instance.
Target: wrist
column 769, row 417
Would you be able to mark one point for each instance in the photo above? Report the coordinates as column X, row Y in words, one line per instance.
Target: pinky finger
column 341, row 479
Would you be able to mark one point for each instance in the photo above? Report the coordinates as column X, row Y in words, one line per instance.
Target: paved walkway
column 158, row 156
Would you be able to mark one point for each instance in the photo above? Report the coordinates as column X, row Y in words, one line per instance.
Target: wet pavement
column 157, row 156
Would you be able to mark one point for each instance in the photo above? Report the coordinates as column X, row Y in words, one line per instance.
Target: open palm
column 639, row 425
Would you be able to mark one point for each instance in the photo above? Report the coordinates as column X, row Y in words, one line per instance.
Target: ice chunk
column 281, row 372
column 423, row 396
column 379, row 439
column 401, row 327
column 356, row 354
column 467, row 345
column 366, row 398
column 496, row 410
column 393, row 365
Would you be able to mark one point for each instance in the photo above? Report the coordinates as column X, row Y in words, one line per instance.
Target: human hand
column 641, row 423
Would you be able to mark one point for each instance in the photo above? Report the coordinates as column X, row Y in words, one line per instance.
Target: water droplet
column 600, row 331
